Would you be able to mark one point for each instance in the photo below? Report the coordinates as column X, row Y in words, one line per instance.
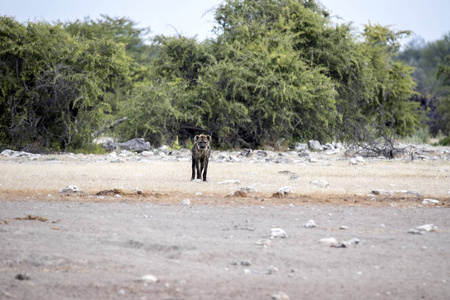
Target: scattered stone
column 280, row 296
column 117, row 161
column 430, row 201
column 244, row 263
column 22, row 277
column 262, row 153
column 286, row 172
column 147, row 153
column 301, row 147
column 198, row 194
column 240, row 193
column 320, row 183
column 283, row 191
column 277, row 232
column 310, row 224
column 264, row 242
column 70, row 189
column 415, row 231
column 360, row 159
column 186, row 202
column 415, row 193
column 20, row 154
column 272, row 270
column 247, row 152
column 315, row 145
column 137, row 145
column 230, row 182
column 125, row 153
column 328, row 146
column 248, row 189
column 331, row 241
column 7, row 152
column 312, row 160
column 294, row 177
column 149, row 278
column 164, row 149
column 343, row 227
column 427, row 227
column 383, row 193
column 121, row 292
column 353, row 161
column 353, row 241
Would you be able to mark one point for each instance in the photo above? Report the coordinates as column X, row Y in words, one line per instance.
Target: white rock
column 280, row 296
column 415, row 231
column 125, row 153
column 353, row 241
column 264, row 242
column 117, row 161
column 430, row 201
column 284, row 190
column 186, row 202
column 315, row 145
column 427, row 227
column 149, row 278
column 343, row 227
column 70, row 189
column 230, row 181
column 278, row 232
column 353, row 161
column 272, row 270
column 383, row 193
column 320, row 183
column 7, row 152
column 328, row 146
column 331, row 241
column 147, row 153
column 248, row 189
column 359, row 159
column 310, row 224
column 301, row 146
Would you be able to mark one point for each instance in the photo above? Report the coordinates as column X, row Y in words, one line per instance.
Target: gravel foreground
column 114, row 250
column 139, row 229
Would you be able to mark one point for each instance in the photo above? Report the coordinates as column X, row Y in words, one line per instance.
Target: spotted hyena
column 200, row 156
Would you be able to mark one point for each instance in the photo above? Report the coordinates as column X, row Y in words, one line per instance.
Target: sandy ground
column 100, row 245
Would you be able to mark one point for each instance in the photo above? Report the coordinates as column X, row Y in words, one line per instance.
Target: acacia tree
column 262, row 66
column 52, row 84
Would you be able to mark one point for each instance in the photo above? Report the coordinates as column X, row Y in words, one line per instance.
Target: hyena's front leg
column 193, row 169
column 197, row 165
column 205, row 169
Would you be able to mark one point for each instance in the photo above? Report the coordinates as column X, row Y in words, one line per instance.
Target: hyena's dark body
column 200, row 156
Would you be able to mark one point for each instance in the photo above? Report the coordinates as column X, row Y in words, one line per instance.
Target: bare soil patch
column 129, row 222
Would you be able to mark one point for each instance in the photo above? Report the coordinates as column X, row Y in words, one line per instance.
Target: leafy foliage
column 52, row 84
column 278, row 70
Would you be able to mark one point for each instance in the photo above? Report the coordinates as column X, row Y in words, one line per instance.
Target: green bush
column 444, row 141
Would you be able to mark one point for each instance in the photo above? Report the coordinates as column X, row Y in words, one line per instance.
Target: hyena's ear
column 196, row 138
column 208, row 137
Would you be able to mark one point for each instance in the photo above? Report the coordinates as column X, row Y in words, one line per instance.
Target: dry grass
column 170, row 181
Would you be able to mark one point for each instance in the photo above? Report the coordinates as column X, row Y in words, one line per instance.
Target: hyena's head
column 202, row 141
